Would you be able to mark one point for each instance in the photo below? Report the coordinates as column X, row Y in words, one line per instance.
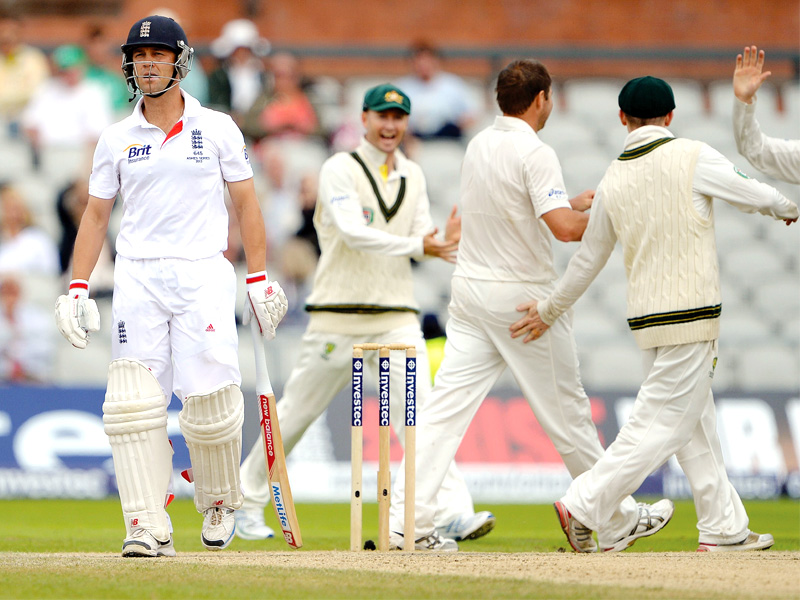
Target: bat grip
column 263, row 383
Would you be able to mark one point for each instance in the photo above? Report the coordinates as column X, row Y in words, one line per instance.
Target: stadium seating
column 759, row 259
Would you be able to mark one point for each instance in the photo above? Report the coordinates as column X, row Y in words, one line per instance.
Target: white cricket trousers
column 178, row 317
column 673, row 414
column 478, row 348
column 323, row 370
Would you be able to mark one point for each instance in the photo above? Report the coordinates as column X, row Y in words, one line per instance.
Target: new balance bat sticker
column 276, row 468
column 275, row 456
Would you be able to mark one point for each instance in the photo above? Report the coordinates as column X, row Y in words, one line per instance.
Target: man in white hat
column 241, row 77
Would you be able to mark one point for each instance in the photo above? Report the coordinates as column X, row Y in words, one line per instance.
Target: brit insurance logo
column 138, row 152
column 197, row 147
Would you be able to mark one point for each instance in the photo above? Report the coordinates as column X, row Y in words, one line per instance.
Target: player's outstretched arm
column 748, row 75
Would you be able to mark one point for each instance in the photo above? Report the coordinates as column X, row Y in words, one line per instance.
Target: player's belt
column 676, row 317
column 642, row 150
column 388, row 211
column 358, row 309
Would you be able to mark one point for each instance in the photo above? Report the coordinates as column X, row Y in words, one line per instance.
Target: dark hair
column 519, row 84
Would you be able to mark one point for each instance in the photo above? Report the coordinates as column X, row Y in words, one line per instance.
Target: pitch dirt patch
column 736, row 575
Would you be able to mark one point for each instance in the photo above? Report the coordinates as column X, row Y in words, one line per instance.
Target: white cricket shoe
column 142, row 543
column 754, row 541
column 219, row 525
column 578, row 535
column 432, row 543
column 468, row 527
column 250, row 525
column 652, row 518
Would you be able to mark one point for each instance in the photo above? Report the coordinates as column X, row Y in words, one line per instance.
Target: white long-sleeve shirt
column 714, row 177
column 779, row 158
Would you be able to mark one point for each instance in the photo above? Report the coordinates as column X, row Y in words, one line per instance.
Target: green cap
column 66, row 57
column 646, row 97
column 386, row 96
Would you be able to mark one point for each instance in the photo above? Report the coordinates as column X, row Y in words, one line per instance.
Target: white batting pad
column 212, row 427
column 135, row 419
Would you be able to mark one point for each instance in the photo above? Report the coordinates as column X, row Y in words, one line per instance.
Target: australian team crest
column 369, row 214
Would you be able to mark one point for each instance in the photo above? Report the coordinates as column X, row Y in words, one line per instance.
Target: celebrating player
column 372, row 215
column 776, row 157
column 173, row 325
column 512, row 197
column 656, row 199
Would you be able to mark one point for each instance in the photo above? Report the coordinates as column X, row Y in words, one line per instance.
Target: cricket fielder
column 372, row 216
column 513, row 198
column 656, row 199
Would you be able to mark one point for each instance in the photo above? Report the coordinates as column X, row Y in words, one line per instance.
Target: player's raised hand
column 531, row 325
column 748, row 76
column 452, row 231
column 444, row 249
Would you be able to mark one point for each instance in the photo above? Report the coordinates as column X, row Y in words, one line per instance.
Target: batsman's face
column 154, row 68
column 385, row 129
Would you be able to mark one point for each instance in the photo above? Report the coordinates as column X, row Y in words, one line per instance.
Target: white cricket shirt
column 509, row 179
column 172, row 184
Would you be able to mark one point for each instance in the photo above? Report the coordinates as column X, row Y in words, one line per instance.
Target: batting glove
column 76, row 314
column 266, row 303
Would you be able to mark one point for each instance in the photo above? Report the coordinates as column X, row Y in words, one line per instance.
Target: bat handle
column 263, row 383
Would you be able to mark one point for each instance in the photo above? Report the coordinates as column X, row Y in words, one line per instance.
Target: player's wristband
column 78, row 287
column 254, row 278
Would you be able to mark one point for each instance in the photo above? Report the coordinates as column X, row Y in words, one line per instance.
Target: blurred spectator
column 307, row 198
column 23, row 69
column 300, row 252
column 279, row 199
column 241, row 77
column 196, row 82
column 68, row 111
column 71, row 205
column 103, row 67
column 284, row 111
column 26, row 338
column 441, row 102
column 24, row 248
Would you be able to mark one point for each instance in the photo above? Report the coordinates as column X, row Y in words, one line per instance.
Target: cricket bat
column 280, row 490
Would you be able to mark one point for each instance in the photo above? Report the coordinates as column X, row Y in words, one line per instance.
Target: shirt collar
column 375, row 158
column 646, row 134
column 505, row 123
column 191, row 108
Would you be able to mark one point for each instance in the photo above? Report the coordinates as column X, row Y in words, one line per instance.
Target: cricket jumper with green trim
column 668, row 247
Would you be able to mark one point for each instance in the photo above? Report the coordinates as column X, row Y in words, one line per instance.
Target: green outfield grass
column 65, row 526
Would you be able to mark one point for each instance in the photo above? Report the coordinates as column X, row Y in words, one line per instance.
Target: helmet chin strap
column 137, row 90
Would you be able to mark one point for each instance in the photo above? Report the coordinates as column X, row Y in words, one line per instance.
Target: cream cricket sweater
column 668, row 247
column 357, row 292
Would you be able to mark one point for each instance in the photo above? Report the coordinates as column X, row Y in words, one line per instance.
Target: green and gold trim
column 676, row 317
column 388, row 211
column 642, row 150
column 358, row 309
